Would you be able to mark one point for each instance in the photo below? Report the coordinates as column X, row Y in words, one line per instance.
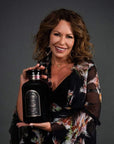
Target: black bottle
column 35, row 95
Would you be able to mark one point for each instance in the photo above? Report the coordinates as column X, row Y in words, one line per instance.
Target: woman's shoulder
column 85, row 65
column 82, row 68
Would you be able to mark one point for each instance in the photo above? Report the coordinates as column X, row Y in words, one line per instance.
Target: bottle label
column 32, row 104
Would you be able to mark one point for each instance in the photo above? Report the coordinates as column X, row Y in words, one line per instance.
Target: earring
column 71, row 56
column 48, row 51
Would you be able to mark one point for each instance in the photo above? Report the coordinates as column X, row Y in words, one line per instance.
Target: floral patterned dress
column 75, row 109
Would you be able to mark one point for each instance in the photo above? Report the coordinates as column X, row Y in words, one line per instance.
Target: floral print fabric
column 74, row 123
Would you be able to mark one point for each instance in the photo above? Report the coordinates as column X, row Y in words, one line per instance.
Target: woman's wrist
column 45, row 126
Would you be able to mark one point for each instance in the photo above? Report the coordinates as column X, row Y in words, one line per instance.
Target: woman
column 62, row 42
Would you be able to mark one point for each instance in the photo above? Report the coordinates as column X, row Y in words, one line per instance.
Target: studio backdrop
column 19, row 22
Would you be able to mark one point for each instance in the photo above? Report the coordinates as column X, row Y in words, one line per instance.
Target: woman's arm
column 93, row 96
column 19, row 104
column 44, row 126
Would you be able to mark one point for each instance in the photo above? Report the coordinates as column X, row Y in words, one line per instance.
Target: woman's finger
column 31, row 68
column 42, row 67
column 44, row 76
column 20, row 124
column 38, row 66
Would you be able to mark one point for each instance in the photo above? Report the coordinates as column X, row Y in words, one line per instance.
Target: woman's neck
column 59, row 62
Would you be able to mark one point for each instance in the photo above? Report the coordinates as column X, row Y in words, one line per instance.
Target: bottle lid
column 33, row 74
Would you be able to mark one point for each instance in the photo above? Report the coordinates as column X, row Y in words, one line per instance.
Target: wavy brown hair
column 82, row 47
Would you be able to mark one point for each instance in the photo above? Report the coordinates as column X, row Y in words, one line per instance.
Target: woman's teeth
column 61, row 49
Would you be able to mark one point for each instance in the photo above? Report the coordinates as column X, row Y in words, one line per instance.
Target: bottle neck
column 35, row 77
column 33, row 74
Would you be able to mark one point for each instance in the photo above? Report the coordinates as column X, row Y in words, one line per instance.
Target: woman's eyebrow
column 60, row 32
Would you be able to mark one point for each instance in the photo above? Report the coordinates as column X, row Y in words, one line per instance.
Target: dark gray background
column 19, row 21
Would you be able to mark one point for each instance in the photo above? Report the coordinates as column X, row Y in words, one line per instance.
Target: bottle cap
column 33, row 74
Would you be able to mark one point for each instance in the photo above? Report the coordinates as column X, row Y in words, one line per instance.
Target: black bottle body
column 35, row 95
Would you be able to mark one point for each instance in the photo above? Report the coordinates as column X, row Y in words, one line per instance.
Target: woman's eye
column 71, row 37
column 56, row 34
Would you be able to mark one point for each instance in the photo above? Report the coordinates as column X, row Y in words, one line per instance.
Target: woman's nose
column 62, row 40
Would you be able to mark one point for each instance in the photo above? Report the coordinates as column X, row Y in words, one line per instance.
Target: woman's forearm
column 19, row 104
column 44, row 126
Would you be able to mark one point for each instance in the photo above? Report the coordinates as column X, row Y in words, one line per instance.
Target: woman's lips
column 60, row 49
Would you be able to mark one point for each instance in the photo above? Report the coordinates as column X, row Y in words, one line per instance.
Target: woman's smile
column 60, row 49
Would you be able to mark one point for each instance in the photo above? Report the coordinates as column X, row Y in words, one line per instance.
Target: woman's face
column 61, row 40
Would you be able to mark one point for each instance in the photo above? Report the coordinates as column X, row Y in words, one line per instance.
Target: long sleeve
column 86, row 104
column 93, row 96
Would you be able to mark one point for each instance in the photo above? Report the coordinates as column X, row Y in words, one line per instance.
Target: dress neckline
column 62, row 82
column 49, row 74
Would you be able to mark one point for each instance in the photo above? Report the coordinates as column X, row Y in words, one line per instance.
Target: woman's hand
column 24, row 78
column 44, row 126
column 22, row 124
